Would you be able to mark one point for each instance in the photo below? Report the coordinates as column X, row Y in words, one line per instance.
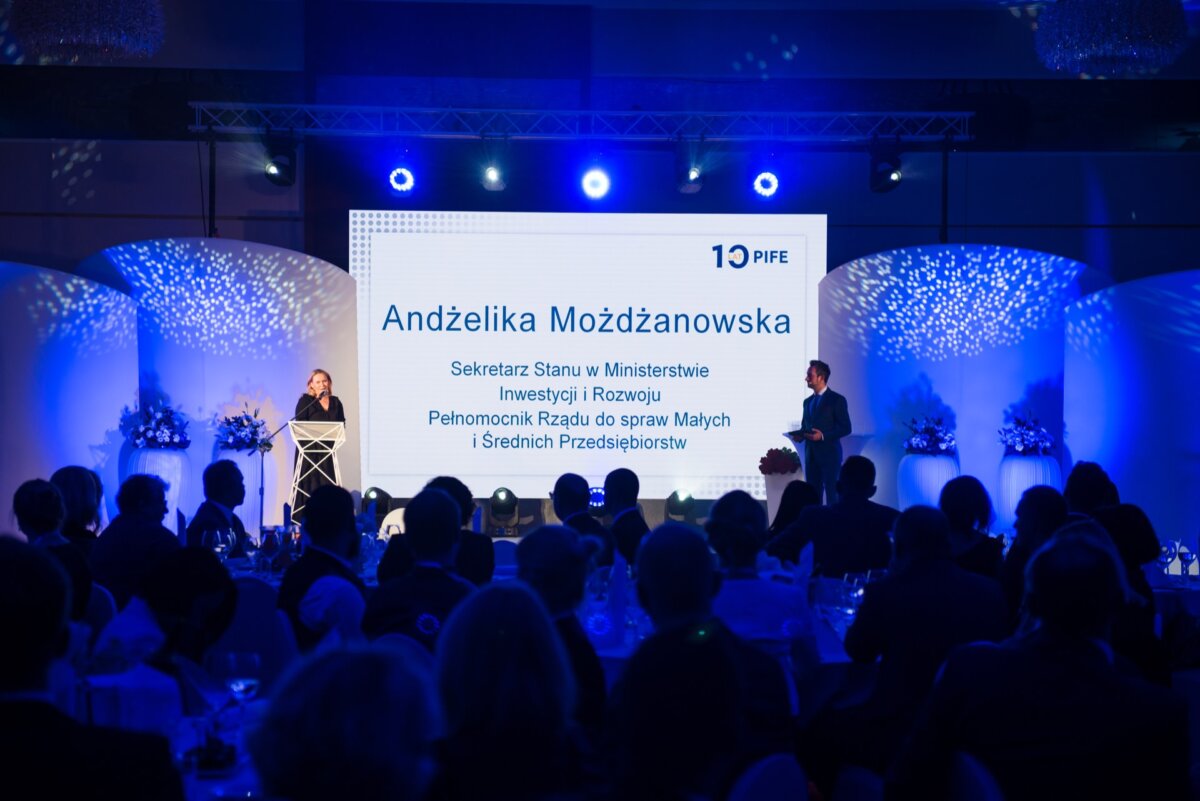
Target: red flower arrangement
column 779, row 461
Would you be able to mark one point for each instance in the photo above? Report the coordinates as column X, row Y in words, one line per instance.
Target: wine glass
column 1186, row 557
column 1167, row 552
column 853, row 587
column 269, row 548
column 239, row 671
column 219, row 541
column 250, row 546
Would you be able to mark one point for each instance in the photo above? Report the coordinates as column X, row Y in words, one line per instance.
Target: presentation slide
column 509, row 348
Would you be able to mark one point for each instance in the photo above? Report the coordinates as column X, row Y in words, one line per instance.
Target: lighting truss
column 431, row 123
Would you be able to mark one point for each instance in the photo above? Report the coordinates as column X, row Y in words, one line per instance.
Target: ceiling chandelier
column 88, row 31
column 1110, row 38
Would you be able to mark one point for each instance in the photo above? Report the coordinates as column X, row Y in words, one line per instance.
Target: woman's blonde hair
column 308, row 387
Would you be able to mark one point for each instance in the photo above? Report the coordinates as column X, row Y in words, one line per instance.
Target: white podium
column 316, row 458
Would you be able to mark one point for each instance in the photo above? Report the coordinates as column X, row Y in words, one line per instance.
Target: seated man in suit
column 1049, row 713
column 321, row 592
column 621, row 502
column 851, row 536
column 418, row 602
column 43, row 753
column 135, row 539
column 572, row 498
column 224, row 491
column 475, row 558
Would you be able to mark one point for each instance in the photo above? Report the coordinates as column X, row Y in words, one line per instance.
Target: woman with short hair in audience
column 968, row 507
column 83, row 495
column 508, row 694
column 354, row 723
column 798, row 495
column 39, row 510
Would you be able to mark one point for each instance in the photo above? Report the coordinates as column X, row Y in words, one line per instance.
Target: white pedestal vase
column 921, row 476
column 169, row 464
column 1017, row 474
column 776, row 483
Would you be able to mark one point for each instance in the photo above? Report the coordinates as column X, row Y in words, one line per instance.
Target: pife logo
column 739, row 256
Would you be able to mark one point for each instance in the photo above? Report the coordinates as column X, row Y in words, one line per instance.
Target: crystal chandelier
column 88, row 31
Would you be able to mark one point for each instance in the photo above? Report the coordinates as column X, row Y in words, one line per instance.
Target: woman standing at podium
column 317, row 405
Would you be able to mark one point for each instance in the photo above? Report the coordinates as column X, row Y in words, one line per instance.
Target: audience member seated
column 39, row 510
column 1046, row 712
column 83, row 495
column 475, row 559
column 321, row 592
column 696, row 704
column 766, row 613
column 43, row 753
column 354, row 723
column 850, row 536
column 418, row 602
column 1136, row 541
column 1040, row 512
column 572, row 499
column 181, row 609
column 1089, row 488
column 909, row 620
column 507, row 692
column 224, row 491
column 798, row 495
column 967, row 506
column 621, row 503
column 135, row 539
column 553, row 560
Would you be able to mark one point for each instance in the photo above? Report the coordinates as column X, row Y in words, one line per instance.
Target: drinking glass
column 1186, row 558
column 219, row 541
column 239, row 671
column 853, row 586
column 1166, row 555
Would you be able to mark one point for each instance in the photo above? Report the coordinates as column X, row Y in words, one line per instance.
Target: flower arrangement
column 243, row 432
column 1024, row 436
column 930, row 435
column 779, row 461
column 158, row 427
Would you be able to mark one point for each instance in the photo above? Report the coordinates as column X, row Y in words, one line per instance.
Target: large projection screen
column 509, row 348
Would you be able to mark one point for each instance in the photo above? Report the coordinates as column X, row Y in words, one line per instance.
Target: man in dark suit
column 1049, row 713
column 826, row 420
column 43, row 753
column 572, row 499
column 132, row 543
column 908, row 620
column 419, row 602
column 224, row 491
column 621, row 501
column 851, row 536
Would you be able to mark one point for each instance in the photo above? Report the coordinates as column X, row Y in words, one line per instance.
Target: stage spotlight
column 401, row 179
column 681, row 505
column 886, row 172
column 766, row 184
column 493, row 179
column 690, row 180
column 595, row 183
column 382, row 501
column 280, row 167
column 503, row 503
column 596, row 501
column 503, row 515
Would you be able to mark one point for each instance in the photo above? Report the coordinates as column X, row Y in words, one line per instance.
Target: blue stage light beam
column 402, row 179
column 766, row 184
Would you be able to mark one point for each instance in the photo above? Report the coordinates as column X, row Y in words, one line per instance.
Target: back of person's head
column 1073, row 585
column 737, row 528
column 1131, row 531
column 1088, row 488
column 553, row 560
column 354, row 723
column 502, row 670
column 224, row 483
column 34, row 602
column 82, row 495
column 921, row 534
column 621, row 489
column 143, row 495
column 571, row 495
column 966, row 504
column 857, row 479
column 1040, row 512
column 329, row 520
column 676, row 576
column 798, row 495
column 38, row 507
column 431, row 525
column 459, row 492
column 193, row 600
